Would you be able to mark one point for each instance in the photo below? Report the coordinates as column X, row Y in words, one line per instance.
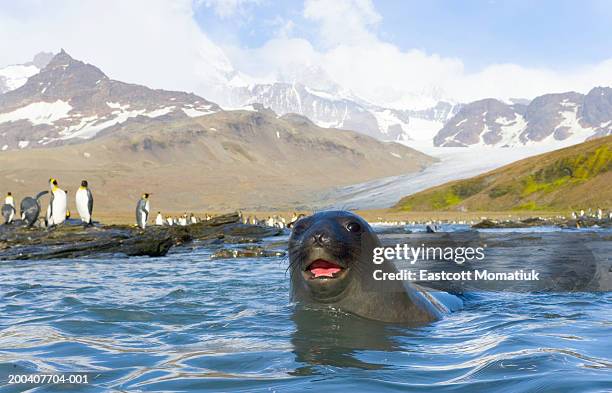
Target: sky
column 404, row 54
column 544, row 33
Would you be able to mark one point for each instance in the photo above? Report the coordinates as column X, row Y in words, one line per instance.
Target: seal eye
column 353, row 227
column 298, row 228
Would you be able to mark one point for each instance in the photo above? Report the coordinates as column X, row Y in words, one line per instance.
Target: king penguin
column 9, row 200
column 142, row 211
column 56, row 212
column 8, row 209
column 84, row 203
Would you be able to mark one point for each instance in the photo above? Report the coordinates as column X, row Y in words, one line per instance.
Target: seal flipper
column 443, row 301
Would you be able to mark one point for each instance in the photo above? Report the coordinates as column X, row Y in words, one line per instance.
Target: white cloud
column 350, row 52
column 158, row 43
column 277, row 56
column 282, row 27
column 343, row 21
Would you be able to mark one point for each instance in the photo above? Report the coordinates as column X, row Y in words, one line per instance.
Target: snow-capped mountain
column 565, row 118
column 315, row 96
column 334, row 109
column 70, row 119
column 53, row 101
column 16, row 75
column 70, row 99
column 324, row 109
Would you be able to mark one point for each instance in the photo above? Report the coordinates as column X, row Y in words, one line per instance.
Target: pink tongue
column 324, row 269
column 324, row 272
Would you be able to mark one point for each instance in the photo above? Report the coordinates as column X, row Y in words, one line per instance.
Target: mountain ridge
column 126, row 139
column 16, row 75
column 337, row 110
column 226, row 160
column 69, row 99
column 559, row 118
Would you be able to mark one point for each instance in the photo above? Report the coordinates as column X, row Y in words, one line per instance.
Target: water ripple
column 187, row 322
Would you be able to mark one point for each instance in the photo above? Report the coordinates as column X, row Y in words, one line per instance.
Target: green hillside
column 579, row 176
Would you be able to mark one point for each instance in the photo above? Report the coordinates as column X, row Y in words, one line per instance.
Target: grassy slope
column 573, row 177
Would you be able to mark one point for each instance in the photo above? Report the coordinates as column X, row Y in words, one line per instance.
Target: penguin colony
column 274, row 221
column 185, row 219
column 57, row 212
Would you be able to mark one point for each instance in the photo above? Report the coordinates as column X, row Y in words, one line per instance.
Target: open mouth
column 323, row 269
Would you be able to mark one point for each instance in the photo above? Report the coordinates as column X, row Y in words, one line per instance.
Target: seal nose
column 320, row 238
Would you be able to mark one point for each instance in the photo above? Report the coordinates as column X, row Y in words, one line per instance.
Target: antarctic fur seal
column 331, row 264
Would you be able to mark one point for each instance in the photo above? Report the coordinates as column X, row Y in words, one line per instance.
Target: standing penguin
column 142, row 211
column 84, row 203
column 9, row 200
column 8, row 209
column 56, row 212
column 159, row 220
column 67, row 210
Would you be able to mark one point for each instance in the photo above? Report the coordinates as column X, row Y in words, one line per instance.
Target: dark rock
column 72, row 241
column 391, row 230
column 538, row 221
column 432, row 229
column 486, row 224
column 529, row 222
column 247, row 252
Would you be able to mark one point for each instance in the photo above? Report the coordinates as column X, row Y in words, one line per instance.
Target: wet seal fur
column 330, row 256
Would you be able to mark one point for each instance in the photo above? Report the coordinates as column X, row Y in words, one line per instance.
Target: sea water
column 187, row 322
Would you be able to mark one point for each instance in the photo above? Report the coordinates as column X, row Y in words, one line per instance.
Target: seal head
column 326, row 251
column 330, row 256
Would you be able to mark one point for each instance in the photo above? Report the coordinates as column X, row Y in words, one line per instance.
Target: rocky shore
column 561, row 222
column 75, row 241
